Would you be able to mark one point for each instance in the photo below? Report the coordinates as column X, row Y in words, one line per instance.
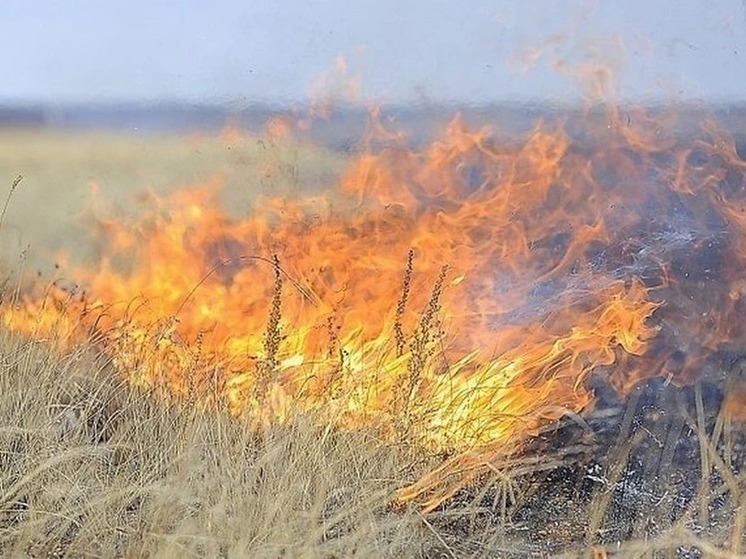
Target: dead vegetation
column 90, row 466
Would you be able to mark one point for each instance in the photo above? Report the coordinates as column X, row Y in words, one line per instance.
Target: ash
column 658, row 474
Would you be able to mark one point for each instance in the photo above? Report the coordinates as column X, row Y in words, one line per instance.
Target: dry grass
column 52, row 208
column 91, row 467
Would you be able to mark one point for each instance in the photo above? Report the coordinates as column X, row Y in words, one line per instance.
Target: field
column 91, row 466
column 66, row 175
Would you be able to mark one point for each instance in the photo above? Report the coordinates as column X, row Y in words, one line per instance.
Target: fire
column 458, row 294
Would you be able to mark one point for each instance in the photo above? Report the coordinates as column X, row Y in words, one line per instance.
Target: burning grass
column 423, row 326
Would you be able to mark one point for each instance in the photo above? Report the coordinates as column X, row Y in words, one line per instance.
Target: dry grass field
column 67, row 177
column 93, row 467
column 90, row 468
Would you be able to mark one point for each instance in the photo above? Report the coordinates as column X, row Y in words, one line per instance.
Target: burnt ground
column 625, row 477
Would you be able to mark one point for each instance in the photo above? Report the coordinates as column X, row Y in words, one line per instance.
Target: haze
column 237, row 52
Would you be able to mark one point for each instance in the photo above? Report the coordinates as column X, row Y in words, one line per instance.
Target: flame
column 458, row 294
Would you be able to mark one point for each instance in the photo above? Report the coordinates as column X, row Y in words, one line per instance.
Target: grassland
column 69, row 176
column 91, row 467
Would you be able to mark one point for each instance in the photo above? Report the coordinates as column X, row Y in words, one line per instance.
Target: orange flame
column 458, row 294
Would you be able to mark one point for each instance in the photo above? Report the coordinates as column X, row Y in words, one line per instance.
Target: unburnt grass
column 92, row 467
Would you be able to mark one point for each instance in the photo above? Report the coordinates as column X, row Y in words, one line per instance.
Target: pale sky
column 232, row 51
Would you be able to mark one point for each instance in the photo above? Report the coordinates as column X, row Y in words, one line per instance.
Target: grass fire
column 381, row 361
